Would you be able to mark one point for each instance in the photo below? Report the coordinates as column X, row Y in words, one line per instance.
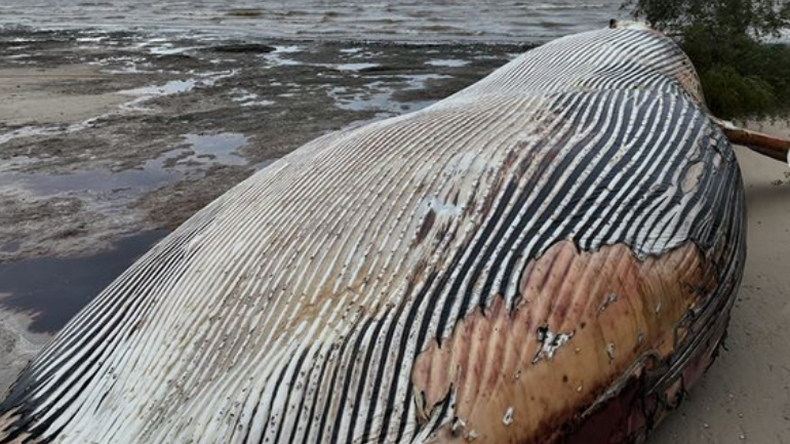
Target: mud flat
column 108, row 134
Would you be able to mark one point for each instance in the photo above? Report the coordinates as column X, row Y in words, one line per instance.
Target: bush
column 743, row 74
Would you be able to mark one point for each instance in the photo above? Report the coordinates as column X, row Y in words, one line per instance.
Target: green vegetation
column 729, row 41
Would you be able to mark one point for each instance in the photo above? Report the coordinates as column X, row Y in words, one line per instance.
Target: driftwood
column 767, row 145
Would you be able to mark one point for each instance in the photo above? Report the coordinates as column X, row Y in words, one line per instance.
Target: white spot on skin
column 444, row 209
column 610, row 351
column 508, row 418
column 551, row 342
column 610, row 299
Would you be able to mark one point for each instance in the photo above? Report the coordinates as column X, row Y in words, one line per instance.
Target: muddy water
column 52, row 290
column 401, row 20
column 199, row 149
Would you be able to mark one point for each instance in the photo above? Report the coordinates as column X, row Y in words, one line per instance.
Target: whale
column 549, row 255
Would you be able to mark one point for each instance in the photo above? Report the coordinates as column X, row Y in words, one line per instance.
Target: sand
column 35, row 96
column 745, row 396
column 18, row 346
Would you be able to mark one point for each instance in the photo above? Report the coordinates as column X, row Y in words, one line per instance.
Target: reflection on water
column 54, row 289
column 449, row 63
column 146, row 93
column 403, row 20
column 150, row 175
column 275, row 58
column 378, row 95
column 199, row 149
column 217, row 147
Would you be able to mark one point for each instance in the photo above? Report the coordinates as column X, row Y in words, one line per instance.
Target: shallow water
column 52, row 289
column 220, row 148
column 400, row 20
column 198, row 150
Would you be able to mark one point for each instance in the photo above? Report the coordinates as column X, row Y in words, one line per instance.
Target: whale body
column 549, row 255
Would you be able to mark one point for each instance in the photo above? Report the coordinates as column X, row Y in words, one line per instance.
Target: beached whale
column 549, row 255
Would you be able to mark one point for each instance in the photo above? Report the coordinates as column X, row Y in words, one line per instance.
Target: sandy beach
column 106, row 145
column 25, row 102
column 745, row 396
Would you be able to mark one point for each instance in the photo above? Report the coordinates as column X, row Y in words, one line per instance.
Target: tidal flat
column 106, row 134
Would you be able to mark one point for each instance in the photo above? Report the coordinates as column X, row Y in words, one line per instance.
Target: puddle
column 161, row 46
column 10, row 247
column 202, row 149
column 217, row 147
column 258, row 103
column 170, row 50
column 144, row 94
column 377, row 96
column 244, row 96
column 54, row 289
column 275, row 57
column 447, row 63
column 247, row 99
column 172, row 87
column 125, row 65
column 417, row 81
column 151, row 175
column 91, row 39
column 8, row 165
column 352, row 66
column 27, row 131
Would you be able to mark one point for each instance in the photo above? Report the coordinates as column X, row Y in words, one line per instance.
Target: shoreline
column 313, row 19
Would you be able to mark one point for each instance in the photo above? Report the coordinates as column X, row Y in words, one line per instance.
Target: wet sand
column 27, row 102
column 103, row 142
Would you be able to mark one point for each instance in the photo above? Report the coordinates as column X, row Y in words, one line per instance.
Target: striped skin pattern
column 573, row 219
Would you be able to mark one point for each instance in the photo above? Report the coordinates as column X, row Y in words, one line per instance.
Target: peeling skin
column 486, row 364
column 550, row 343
